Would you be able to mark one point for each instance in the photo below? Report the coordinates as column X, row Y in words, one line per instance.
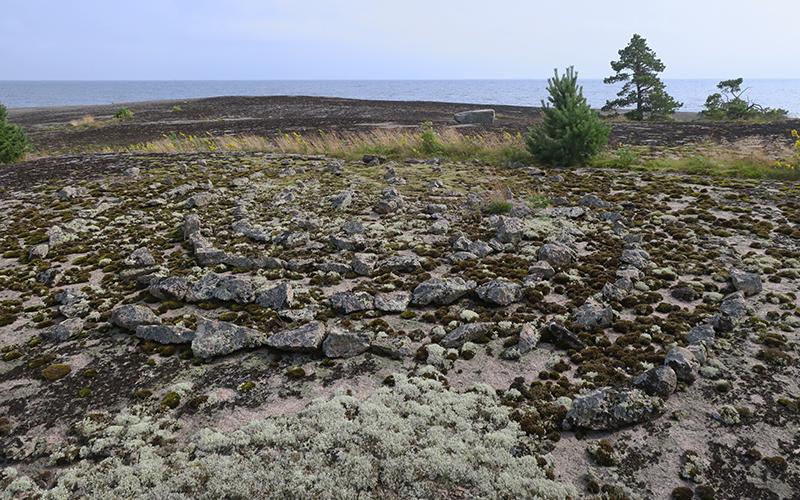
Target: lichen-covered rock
column 529, row 337
column 509, row 229
column 560, row 336
column 684, row 363
column 499, row 292
column 307, row 338
column 215, row 338
column 636, row 257
column 400, row 264
column 171, row 287
column 350, row 302
column 747, row 283
column 558, row 255
column 64, row 330
column 609, row 408
column 466, row 333
column 165, row 334
column 364, row 263
column 441, row 291
column 141, row 257
column 658, row 381
column 475, row 117
column 129, row 316
column 342, row 200
column 592, row 316
column 278, row 297
column 341, row 343
column 392, row 302
column 701, row 334
column 539, row 271
column 39, row 251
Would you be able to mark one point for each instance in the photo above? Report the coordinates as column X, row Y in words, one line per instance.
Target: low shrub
column 730, row 104
column 123, row 114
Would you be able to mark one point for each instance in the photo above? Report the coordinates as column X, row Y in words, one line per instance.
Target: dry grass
column 86, row 121
column 392, row 143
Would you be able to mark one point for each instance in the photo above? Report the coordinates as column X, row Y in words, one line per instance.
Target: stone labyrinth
column 205, row 286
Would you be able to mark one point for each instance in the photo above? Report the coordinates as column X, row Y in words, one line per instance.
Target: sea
column 22, row 94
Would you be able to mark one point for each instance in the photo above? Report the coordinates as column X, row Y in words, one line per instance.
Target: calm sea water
column 15, row 94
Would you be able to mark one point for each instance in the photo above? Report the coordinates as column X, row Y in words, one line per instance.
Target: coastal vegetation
column 730, row 104
column 13, row 142
column 123, row 114
column 571, row 132
column 638, row 67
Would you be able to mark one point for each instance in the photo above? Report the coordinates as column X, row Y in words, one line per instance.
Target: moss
column 247, row 386
column 56, row 371
column 11, row 355
column 89, row 373
column 5, row 426
column 84, row 392
column 142, row 393
column 295, row 372
column 776, row 463
column 602, row 452
column 170, row 401
column 682, row 493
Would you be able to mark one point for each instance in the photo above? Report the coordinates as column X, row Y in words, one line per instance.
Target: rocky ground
column 167, row 321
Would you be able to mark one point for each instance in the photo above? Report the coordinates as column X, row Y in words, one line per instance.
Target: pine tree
column 571, row 132
column 638, row 67
column 13, row 142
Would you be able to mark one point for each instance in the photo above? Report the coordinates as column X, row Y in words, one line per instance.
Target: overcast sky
column 399, row 39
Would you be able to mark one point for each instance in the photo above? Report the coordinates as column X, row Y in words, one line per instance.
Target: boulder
column 529, row 337
column 657, row 381
column 748, row 283
column 609, row 409
column 475, row 117
column 684, row 363
column 636, row 257
column 392, row 302
column 400, row 264
column 701, row 334
column 556, row 254
column 509, row 229
column 441, row 291
column 560, row 336
column 350, row 302
column 592, row 316
column 307, row 338
column 364, row 263
column 165, row 334
column 171, row 287
column 39, row 251
column 277, row 298
column 130, row 316
column 499, row 291
column 466, row 333
column 341, row 343
column 540, row 271
column 342, row 200
column 217, row 338
column 141, row 257
column 64, row 330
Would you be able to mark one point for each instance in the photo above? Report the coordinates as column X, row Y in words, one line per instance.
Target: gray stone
column 684, row 363
column 39, row 251
column 57, row 236
column 561, row 337
column 364, row 263
column 64, row 330
column 171, row 287
column 529, row 337
column 609, row 409
column 129, row 316
column 556, row 254
column 248, row 229
column 466, row 333
column 439, row 227
column 217, row 338
column 307, row 338
column 277, row 298
column 165, row 334
column 350, row 302
column 392, row 302
column 390, row 201
column 636, row 257
column 658, row 381
column 342, row 200
column 353, row 226
column 509, row 229
column 734, row 306
column 475, row 117
column 441, row 291
column 540, row 271
column 480, row 248
column 499, row 291
column 355, row 243
column 592, row 316
column 593, row 201
column 701, row 334
column 748, row 283
column 141, row 257
column 400, row 264
column 341, row 343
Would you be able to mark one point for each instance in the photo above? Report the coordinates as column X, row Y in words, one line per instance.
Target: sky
column 379, row 39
